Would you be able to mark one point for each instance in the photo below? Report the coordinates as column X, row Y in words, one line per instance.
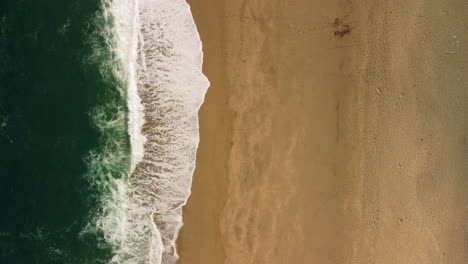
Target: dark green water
column 54, row 79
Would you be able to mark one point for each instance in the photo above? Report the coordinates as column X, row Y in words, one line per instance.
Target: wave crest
column 159, row 53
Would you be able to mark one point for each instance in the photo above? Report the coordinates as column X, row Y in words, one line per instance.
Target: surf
column 158, row 58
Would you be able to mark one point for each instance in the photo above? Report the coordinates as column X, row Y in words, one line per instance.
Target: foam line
column 160, row 53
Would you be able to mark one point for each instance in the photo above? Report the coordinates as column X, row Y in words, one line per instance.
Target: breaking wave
column 156, row 60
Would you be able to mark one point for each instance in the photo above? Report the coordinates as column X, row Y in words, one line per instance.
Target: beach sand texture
column 333, row 132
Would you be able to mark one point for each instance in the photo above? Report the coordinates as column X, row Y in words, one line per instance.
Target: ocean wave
column 158, row 57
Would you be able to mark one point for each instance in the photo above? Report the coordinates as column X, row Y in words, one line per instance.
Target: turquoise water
column 57, row 92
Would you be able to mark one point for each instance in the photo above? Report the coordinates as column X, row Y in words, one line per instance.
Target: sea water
column 98, row 129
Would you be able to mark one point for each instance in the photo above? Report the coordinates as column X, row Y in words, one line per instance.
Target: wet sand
column 333, row 132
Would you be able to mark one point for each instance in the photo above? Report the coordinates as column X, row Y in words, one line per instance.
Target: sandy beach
column 333, row 132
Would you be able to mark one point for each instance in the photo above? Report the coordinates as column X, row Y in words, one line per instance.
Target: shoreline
column 215, row 132
column 322, row 135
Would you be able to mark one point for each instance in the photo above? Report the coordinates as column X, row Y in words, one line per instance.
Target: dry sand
column 333, row 132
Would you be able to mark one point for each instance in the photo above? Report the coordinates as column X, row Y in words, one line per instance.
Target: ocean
column 99, row 105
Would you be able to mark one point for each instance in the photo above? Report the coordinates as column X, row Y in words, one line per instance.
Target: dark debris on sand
column 341, row 28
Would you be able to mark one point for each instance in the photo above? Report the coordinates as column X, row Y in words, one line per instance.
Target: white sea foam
column 157, row 43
